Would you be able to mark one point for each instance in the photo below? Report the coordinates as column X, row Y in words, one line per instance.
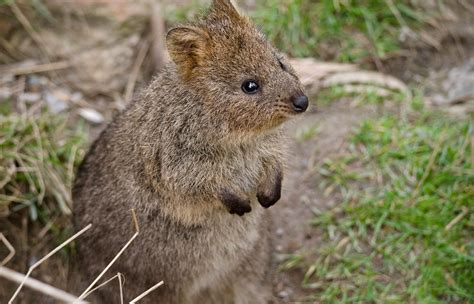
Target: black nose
column 300, row 103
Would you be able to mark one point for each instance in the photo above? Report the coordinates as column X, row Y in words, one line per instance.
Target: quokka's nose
column 300, row 103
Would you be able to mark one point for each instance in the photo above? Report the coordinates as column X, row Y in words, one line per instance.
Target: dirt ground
column 301, row 196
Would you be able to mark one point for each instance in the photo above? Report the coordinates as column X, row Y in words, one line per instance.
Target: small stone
column 54, row 103
column 91, row 115
column 439, row 100
column 76, row 97
column 279, row 232
column 30, row 97
column 284, row 294
column 35, row 82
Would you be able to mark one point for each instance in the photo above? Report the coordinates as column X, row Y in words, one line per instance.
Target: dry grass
column 38, row 155
column 53, row 292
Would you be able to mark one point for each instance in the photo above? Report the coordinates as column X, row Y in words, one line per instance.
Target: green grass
column 403, row 230
column 186, row 12
column 345, row 31
column 337, row 30
column 38, row 156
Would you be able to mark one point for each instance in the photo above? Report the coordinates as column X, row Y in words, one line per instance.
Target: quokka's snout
column 299, row 103
column 295, row 104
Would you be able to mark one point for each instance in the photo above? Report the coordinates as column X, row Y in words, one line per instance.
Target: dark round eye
column 250, row 87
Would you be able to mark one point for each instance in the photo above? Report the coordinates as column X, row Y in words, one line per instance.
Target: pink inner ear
column 185, row 39
column 187, row 48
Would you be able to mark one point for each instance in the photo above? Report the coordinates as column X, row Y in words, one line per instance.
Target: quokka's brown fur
column 197, row 158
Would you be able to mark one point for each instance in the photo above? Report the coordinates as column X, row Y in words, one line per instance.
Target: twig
column 396, row 13
column 87, row 291
column 46, row 289
column 467, row 6
column 45, row 258
column 10, row 49
column 457, row 219
column 29, row 28
column 40, row 68
column 8, row 174
column 135, row 71
column 119, row 277
column 160, row 56
column 365, row 77
column 146, row 293
column 342, row 243
column 462, row 152
column 135, row 221
column 84, row 294
column 10, row 248
column 120, row 288
column 70, row 167
column 430, row 165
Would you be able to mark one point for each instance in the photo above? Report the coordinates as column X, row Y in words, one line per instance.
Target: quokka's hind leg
column 222, row 294
column 253, row 283
column 254, row 286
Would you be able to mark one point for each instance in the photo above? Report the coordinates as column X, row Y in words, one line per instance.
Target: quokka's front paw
column 270, row 192
column 268, row 200
column 234, row 203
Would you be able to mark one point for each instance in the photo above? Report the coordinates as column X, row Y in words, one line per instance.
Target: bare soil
column 301, row 196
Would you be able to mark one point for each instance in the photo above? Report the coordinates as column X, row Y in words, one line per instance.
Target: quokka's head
column 244, row 82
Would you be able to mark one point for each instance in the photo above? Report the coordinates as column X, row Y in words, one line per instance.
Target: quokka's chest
column 224, row 246
column 201, row 168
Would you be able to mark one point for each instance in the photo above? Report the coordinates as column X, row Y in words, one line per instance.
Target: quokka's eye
column 250, row 86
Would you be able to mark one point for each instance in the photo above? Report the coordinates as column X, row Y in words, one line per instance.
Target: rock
column 279, row 232
column 55, row 104
column 439, row 100
column 35, row 82
column 460, row 82
column 76, row 97
column 91, row 115
column 30, row 97
column 285, row 294
column 453, row 90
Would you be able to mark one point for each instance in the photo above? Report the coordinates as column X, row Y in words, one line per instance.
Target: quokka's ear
column 187, row 48
column 224, row 7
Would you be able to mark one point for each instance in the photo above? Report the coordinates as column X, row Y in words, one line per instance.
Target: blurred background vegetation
column 393, row 217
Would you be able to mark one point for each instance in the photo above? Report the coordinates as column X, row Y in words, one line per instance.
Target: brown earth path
column 301, row 196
